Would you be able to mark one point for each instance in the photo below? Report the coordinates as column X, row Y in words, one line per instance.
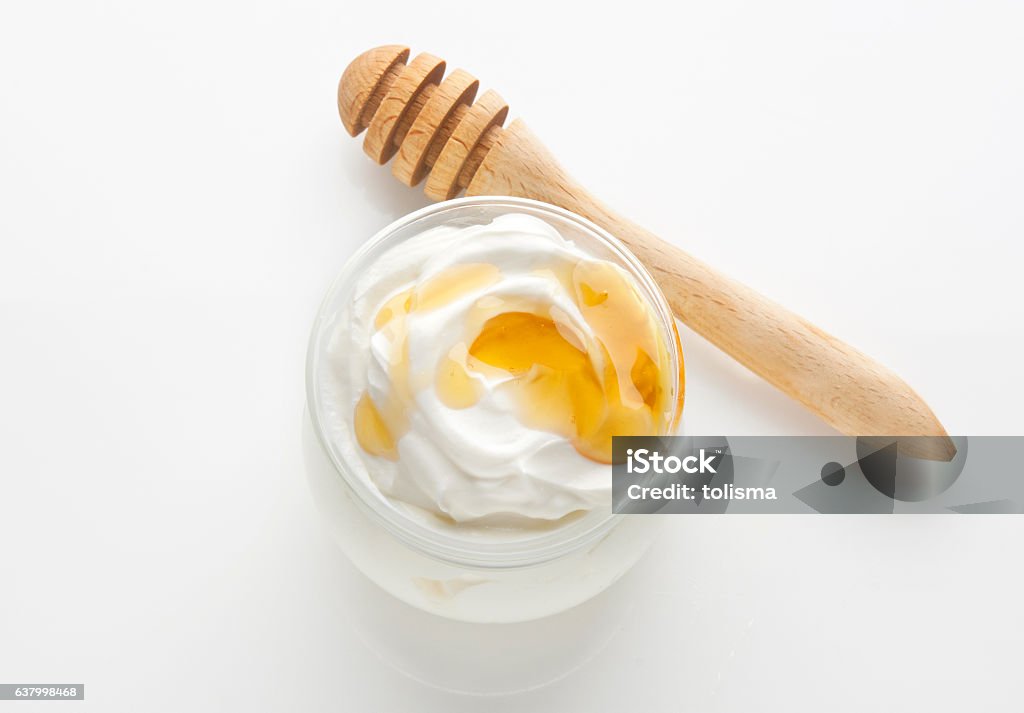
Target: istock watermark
column 643, row 460
column 825, row 475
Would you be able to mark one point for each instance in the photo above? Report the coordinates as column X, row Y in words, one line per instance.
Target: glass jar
column 473, row 579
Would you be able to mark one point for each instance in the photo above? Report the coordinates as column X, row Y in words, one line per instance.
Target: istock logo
column 643, row 460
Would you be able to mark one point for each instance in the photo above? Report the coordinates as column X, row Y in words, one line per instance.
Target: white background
column 176, row 192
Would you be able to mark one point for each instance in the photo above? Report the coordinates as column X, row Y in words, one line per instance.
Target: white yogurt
column 480, row 465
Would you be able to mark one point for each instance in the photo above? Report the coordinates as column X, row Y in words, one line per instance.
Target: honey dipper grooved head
column 358, row 96
column 428, row 122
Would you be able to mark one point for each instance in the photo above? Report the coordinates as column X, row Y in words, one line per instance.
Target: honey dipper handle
column 846, row 388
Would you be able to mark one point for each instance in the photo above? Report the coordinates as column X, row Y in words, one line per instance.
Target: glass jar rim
column 476, row 554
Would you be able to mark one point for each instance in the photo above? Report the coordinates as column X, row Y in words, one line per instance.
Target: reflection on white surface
column 486, row 659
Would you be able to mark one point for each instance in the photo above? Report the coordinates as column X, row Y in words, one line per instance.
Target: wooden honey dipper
column 433, row 129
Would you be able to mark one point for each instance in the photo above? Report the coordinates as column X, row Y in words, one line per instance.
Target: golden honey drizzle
column 587, row 392
column 372, row 432
column 455, row 384
column 453, row 282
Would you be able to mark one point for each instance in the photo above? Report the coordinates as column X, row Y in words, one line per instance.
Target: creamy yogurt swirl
column 479, row 372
